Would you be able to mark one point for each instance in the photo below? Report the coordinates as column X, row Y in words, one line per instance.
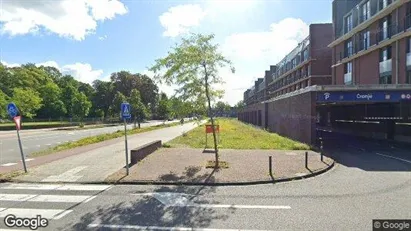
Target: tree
column 119, row 98
column 3, row 104
column 193, row 65
column 53, row 106
column 103, row 97
column 138, row 109
column 68, row 94
column 81, row 106
column 222, row 108
column 28, row 101
column 164, row 107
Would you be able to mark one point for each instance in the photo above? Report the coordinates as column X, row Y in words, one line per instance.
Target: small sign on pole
column 13, row 112
column 126, row 114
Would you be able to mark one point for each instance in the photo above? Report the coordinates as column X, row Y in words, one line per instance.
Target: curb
column 243, row 183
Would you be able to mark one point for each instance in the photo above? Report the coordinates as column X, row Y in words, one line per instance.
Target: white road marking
column 68, row 176
column 29, row 159
column 48, row 144
column 89, row 199
column 16, row 197
column 54, row 214
column 138, row 227
column 181, row 200
column 8, row 164
column 237, row 206
column 60, row 198
column 15, row 229
column 57, row 187
column 393, row 157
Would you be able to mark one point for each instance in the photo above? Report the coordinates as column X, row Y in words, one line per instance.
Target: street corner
column 190, row 166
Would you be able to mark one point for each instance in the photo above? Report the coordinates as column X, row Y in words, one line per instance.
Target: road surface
column 37, row 140
column 370, row 182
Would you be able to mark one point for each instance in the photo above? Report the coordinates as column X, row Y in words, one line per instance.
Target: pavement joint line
column 393, row 157
column 138, row 227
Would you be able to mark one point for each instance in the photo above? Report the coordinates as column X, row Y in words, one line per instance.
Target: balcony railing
column 348, row 78
column 386, row 66
column 408, row 59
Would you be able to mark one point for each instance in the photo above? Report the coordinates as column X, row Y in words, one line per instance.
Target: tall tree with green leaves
column 164, row 107
column 81, row 106
column 53, row 106
column 138, row 110
column 119, row 98
column 193, row 65
column 3, row 104
column 28, row 101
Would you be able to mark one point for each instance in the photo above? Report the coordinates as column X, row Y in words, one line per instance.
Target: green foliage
column 53, row 105
column 138, row 109
column 164, row 107
column 28, row 101
column 3, row 104
column 115, row 107
column 81, row 105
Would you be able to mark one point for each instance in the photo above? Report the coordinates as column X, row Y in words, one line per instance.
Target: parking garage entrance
column 375, row 114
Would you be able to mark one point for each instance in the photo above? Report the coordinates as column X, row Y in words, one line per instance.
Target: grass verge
column 6, row 177
column 237, row 135
column 98, row 139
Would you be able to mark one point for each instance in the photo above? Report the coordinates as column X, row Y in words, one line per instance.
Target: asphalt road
column 371, row 181
column 37, row 140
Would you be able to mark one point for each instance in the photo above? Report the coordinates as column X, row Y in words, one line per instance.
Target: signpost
column 126, row 114
column 13, row 113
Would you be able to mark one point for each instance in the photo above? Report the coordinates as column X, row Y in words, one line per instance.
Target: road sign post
column 125, row 114
column 13, row 113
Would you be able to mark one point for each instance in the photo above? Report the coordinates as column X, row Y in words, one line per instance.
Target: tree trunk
column 138, row 124
column 135, row 122
column 211, row 118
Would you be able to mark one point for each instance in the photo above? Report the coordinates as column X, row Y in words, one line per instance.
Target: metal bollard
column 321, row 150
column 270, row 165
column 306, row 160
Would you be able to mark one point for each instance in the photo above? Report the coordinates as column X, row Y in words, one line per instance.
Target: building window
column 365, row 40
column 365, row 11
column 384, row 3
column 305, row 54
column 348, row 73
column 348, row 48
column 386, row 79
column 384, row 28
column 309, row 69
column 385, row 53
column 294, row 61
column 409, row 45
column 348, row 23
column 408, row 80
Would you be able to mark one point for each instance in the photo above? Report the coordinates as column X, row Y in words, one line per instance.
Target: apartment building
column 372, row 42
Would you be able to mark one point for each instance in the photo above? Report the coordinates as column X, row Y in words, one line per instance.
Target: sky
column 90, row 39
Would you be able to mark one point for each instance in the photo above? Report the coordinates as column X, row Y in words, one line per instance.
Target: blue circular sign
column 12, row 110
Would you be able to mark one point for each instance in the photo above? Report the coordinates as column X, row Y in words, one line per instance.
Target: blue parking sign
column 12, row 110
column 125, row 111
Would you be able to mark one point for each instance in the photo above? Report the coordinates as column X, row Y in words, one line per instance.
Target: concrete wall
column 294, row 117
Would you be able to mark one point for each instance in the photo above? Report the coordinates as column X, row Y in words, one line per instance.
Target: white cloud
column 82, row 72
column 253, row 52
column 9, row 64
column 180, row 19
column 101, row 38
column 66, row 18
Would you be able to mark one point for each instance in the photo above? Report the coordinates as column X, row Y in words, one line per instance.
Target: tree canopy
column 193, row 65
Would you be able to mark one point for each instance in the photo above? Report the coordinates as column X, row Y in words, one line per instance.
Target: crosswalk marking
column 45, row 198
column 54, row 214
column 54, row 206
column 57, row 187
column 8, row 164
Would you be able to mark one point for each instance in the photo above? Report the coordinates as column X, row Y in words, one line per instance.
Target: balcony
column 386, row 66
column 408, row 59
column 348, row 78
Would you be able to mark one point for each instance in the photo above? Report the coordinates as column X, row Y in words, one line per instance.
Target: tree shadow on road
column 148, row 211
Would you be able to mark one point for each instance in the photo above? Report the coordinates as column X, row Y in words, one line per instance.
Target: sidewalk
column 97, row 164
column 187, row 166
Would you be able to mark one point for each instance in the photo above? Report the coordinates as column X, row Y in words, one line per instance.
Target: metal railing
column 386, row 66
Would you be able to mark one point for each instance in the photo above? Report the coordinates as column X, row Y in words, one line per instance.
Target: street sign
column 12, row 110
column 125, row 111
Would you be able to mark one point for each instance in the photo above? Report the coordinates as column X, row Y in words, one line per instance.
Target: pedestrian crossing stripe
column 54, row 214
column 71, row 187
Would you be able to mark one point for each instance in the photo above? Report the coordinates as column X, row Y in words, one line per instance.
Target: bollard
column 321, row 151
column 306, row 160
column 270, row 167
